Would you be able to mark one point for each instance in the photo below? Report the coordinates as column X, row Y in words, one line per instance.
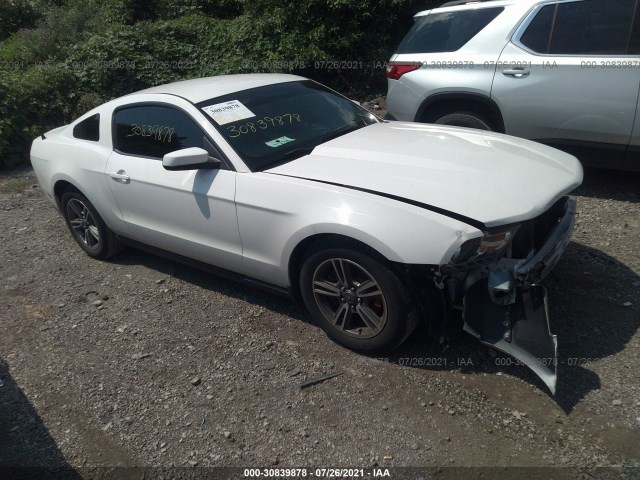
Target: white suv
column 563, row 72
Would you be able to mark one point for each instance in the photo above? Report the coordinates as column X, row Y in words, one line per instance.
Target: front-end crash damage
column 494, row 280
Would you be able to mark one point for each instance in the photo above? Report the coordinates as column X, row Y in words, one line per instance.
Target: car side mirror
column 193, row 158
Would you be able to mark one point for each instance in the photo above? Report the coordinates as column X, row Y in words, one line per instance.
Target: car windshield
column 277, row 123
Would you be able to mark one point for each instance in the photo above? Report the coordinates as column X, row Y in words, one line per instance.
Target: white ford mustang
column 282, row 182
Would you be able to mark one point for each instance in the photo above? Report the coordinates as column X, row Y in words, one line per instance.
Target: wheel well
column 417, row 277
column 316, row 242
column 435, row 108
column 61, row 187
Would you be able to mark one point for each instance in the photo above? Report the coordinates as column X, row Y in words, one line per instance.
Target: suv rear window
column 446, row 32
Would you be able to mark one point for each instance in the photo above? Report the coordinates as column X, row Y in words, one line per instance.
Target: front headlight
column 490, row 246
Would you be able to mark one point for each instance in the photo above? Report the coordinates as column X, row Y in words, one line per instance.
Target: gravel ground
column 143, row 362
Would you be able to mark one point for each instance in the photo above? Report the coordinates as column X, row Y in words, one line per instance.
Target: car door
column 568, row 75
column 191, row 213
column 632, row 159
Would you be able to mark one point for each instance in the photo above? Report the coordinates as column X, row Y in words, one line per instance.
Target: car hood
column 489, row 177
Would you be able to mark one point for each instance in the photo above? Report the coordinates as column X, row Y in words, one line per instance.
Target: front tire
column 87, row 227
column 357, row 300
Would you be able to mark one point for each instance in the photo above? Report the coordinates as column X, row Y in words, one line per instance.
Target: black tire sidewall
column 467, row 120
column 397, row 298
column 103, row 243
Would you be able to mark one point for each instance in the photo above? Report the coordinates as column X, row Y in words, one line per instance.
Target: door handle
column 120, row 176
column 517, row 72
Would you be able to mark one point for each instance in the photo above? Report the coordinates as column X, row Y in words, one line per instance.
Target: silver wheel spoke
column 82, row 223
column 77, row 210
column 343, row 271
column 369, row 317
column 368, row 288
column 341, row 316
column 326, row 288
column 93, row 230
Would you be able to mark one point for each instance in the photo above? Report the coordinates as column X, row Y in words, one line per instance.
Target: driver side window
column 154, row 130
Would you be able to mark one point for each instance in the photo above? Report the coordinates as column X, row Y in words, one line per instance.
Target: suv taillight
column 396, row 69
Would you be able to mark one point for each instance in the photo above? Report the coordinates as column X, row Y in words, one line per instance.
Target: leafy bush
column 61, row 27
column 17, row 14
column 132, row 11
column 31, row 102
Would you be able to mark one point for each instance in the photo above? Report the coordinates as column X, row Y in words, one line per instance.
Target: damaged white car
column 281, row 182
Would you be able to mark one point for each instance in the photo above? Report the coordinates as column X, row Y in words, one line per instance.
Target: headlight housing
column 491, row 246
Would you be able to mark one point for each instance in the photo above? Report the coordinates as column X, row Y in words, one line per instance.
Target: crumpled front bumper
column 536, row 268
column 505, row 307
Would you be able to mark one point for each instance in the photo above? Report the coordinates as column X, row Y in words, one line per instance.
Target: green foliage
column 61, row 27
column 17, row 14
column 131, row 11
column 66, row 56
column 31, row 102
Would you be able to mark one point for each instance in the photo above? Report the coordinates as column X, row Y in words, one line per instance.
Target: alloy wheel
column 83, row 224
column 349, row 297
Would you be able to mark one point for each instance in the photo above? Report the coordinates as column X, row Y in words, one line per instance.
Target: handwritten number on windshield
column 263, row 124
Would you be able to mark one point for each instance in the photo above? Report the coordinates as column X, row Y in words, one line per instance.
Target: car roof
column 465, row 5
column 201, row 89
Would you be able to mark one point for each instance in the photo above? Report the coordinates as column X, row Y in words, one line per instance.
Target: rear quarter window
column 447, row 32
column 88, row 129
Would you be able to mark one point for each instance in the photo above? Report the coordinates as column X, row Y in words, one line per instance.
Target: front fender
column 277, row 213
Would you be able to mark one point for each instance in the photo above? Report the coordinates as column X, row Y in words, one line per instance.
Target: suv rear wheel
column 465, row 119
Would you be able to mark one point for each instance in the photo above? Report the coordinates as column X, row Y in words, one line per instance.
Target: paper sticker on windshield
column 278, row 142
column 228, row 112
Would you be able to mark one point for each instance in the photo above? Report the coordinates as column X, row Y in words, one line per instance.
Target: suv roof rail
column 462, row 2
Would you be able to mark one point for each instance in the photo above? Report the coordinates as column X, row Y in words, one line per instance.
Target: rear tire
column 466, row 119
column 87, row 227
column 358, row 300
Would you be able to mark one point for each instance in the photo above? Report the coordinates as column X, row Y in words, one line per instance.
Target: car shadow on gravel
column 27, row 450
column 586, row 313
column 582, row 292
column 208, row 281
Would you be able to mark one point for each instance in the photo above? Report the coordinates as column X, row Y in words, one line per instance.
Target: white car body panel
column 276, row 213
column 501, row 180
column 199, row 89
column 190, row 211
